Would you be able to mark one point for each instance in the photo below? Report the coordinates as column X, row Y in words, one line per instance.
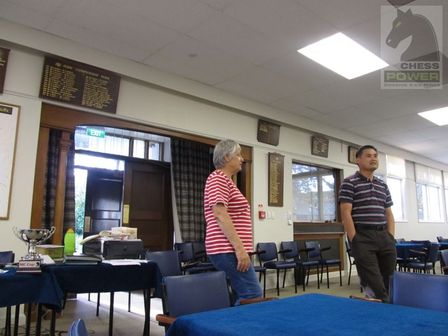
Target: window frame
column 428, row 202
column 336, row 176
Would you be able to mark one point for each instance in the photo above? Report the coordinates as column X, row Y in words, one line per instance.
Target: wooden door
column 103, row 199
column 147, row 203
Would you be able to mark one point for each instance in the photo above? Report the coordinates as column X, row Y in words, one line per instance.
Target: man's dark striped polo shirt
column 369, row 199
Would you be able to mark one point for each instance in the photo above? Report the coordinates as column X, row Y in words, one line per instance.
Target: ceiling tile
column 236, row 38
column 344, row 13
column 260, row 84
column 180, row 15
column 307, row 73
column 219, row 4
column 285, row 21
column 192, row 59
column 21, row 13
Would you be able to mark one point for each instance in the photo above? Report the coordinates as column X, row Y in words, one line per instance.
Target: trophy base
column 29, row 266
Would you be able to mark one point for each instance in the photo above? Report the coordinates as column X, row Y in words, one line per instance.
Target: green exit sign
column 95, row 132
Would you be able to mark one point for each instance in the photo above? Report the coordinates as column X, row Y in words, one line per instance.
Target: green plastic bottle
column 69, row 242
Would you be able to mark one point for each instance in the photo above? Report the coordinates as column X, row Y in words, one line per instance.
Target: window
column 154, row 150
column 445, row 183
column 396, row 175
column 314, row 194
column 118, row 142
column 429, row 194
column 138, row 148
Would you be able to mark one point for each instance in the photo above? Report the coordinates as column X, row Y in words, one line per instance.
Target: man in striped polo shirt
column 366, row 213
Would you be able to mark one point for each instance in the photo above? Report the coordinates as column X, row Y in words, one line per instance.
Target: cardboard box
column 56, row 252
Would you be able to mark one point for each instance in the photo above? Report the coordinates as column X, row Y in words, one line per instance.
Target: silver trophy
column 33, row 237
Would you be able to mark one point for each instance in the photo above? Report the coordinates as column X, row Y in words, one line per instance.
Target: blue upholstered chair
column 427, row 291
column 193, row 257
column 77, row 328
column 270, row 260
column 291, row 252
column 444, row 261
column 259, row 269
column 193, row 293
column 425, row 259
column 351, row 260
column 315, row 253
column 167, row 261
column 6, row 257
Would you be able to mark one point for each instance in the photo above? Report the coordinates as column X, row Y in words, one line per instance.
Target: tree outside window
column 314, row 194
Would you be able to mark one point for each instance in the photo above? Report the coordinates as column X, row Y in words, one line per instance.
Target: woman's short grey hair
column 223, row 148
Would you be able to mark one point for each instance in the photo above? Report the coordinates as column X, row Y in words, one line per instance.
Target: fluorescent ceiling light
column 344, row 56
column 437, row 116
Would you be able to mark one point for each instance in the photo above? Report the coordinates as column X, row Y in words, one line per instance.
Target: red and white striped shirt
column 219, row 189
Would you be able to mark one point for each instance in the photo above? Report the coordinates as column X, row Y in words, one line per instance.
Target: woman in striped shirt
column 229, row 227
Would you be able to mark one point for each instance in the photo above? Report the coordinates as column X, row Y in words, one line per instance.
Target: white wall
column 159, row 99
column 23, row 172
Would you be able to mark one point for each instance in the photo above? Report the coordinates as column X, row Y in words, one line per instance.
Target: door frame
column 67, row 119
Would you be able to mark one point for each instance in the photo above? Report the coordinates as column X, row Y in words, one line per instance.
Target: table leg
column 111, row 314
column 53, row 322
column 39, row 319
column 28, row 319
column 8, row 321
column 147, row 303
column 16, row 320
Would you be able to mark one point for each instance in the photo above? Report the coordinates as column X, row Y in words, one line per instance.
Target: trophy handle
column 17, row 233
column 50, row 233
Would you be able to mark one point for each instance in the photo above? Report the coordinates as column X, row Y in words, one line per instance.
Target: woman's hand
column 243, row 261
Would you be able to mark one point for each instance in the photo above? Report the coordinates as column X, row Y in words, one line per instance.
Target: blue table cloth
column 403, row 249
column 19, row 288
column 103, row 277
column 313, row 314
column 106, row 278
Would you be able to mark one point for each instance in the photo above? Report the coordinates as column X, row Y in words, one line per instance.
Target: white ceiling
column 248, row 47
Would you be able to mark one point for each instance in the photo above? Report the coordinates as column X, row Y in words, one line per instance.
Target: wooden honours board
column 268, row 132
column 275, row 183
column 4, row 53
column 79, row 84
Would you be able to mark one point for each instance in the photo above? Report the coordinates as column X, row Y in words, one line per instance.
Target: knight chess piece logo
column 411, row 41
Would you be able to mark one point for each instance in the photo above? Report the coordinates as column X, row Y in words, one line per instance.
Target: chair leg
column 349, row 273
column 328, row 279
column 295, row 277
column 284, row 278
column 97, row 304
column 278, row 285
column 340, row 274
column 318, row 280
column 264, row 283
column 129, row 302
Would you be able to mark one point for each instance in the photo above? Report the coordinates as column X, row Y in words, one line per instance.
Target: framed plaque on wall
column 268, row 132
column 79, row 84
column 9, row 116
column 275, row 179
column 319, row 146
column 352, row 154
column 4, row 53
